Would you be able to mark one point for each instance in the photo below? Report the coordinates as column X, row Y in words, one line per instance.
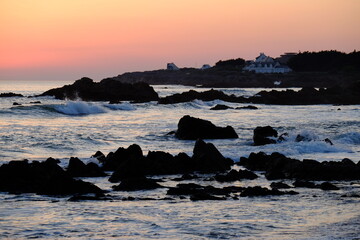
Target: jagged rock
column 207, row 158
column 262, row 135
column 190, row 128
column 114, row 160
column 77, row 168
column 41, row 178
column 221, row 107
column 99, row 156
column 106, row 90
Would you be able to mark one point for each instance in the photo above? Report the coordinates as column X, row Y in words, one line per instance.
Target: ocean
column 63, row 129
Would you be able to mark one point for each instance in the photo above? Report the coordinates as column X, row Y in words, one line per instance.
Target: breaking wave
column 79, row 108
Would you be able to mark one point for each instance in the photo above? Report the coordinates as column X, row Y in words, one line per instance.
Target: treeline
column 235, row 64
column 325, row 61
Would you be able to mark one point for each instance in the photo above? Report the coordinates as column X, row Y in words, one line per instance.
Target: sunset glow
column 70, row 39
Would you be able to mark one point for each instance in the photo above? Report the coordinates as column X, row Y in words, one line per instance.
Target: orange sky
column 69, row 39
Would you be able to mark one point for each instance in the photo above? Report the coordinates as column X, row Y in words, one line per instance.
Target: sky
column 70, row 39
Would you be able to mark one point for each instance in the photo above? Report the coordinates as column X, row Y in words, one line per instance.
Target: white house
column 171, row 66
column 266, row 64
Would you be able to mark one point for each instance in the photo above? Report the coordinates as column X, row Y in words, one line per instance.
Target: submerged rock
column 190, row 128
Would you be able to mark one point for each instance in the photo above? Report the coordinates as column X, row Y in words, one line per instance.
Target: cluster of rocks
column 41, row 178
column 278, row 166
column 306, row 96
column 131, row 169
column 106, row 90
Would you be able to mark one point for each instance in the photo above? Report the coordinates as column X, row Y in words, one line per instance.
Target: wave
column 349, row 138
column 121, row 106
column 79, row 108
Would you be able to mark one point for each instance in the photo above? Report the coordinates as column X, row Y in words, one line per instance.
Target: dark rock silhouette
column 191, row 95
column 10, row 94
column 261, row 191
column 190, row 128
column 220, row 107
column 206, row 159
column 77, row 168
column 277, row 166
column 106, row 90
column 42, row 178
column 262, row 135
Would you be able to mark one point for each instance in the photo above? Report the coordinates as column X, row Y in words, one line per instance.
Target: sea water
column 62, row 129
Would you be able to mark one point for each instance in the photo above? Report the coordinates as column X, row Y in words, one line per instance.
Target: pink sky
column 66, row 40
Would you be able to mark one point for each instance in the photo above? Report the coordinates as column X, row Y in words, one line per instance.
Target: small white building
column 266, row 64
column 171, row 66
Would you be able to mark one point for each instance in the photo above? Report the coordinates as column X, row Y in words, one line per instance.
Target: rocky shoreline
column 115, row 91
column 130, row 170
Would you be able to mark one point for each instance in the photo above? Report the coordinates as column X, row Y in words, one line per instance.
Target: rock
column 99, row 156
column 206, row 158
column 328, row 186
column 190, row 128
column 114, row 160
column 191, row 95
column 202, row 196
column 16, row 104
column 261, row 191
column 279, row 185
column 106, row 90
column 304, row 184
column 220, row 107
column 77, row 168
column 41, row 178
column 36, row 102
column 10, row 94
column 250, row 107
column 262, row 135
column 136, row 183
column 277, row 166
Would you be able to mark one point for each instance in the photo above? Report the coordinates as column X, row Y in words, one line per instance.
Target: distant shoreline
column 216, row 78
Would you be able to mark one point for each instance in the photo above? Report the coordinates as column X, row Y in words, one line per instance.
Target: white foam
column 79, row 108
column 349, row 138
